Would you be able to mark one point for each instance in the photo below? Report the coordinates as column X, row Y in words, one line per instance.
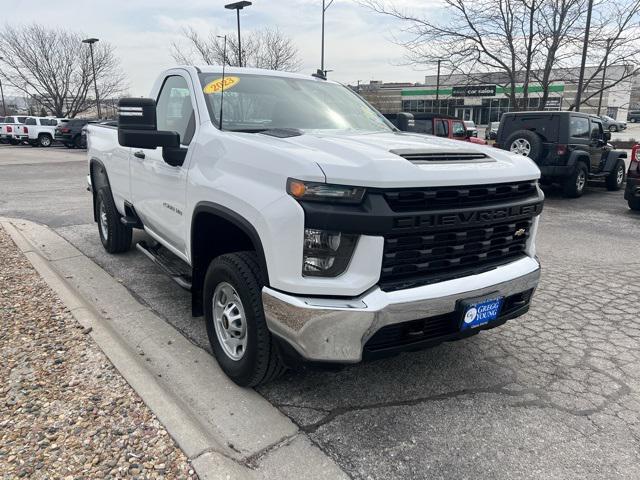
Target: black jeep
column 569, row 147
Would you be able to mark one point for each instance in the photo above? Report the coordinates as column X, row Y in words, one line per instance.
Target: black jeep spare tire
column 525, row 142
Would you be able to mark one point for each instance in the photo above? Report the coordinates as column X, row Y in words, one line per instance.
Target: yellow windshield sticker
column 217, row 87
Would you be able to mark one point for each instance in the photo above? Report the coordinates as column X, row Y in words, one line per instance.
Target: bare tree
column 53, row 68
column 523, row 40
column 266, row 48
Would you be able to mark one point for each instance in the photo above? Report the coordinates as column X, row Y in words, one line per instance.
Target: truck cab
column 444, row 126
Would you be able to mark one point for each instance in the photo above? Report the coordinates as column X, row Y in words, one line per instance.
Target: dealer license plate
column 478, row 313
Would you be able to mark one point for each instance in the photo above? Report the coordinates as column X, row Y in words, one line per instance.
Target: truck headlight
column 324, row 192
column 325, row 253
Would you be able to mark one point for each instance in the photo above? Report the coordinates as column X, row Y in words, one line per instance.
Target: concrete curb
column 226, row 431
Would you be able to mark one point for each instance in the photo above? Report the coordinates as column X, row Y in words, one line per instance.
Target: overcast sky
column 358, row 42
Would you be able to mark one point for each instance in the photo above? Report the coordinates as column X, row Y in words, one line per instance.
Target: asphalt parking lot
column 553, row 394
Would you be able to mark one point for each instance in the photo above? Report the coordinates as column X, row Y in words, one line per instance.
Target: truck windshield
column 254, row 103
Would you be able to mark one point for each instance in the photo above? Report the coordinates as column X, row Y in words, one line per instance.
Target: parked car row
column 45, row 131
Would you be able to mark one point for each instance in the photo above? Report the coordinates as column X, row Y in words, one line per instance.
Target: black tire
column 77, row 142
column 575, row 183
column 615, row 179
column 14, row 142
column 531, row 138
column 115, row 237
column 45, row 140
column 613, row 128
column 260, row 362
column 634, row 204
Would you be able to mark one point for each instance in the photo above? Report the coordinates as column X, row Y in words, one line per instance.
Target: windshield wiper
column 274, row 132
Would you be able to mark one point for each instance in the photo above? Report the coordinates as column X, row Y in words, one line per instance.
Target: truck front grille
column 431, row 246
column 425, row 199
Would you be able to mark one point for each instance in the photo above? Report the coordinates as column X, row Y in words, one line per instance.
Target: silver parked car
column 612, row 124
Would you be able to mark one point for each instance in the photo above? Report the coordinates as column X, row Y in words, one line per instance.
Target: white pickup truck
column 41, row 130
column 306, row 226
column 11, row 130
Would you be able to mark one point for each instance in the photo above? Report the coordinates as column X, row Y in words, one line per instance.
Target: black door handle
column 139, row 154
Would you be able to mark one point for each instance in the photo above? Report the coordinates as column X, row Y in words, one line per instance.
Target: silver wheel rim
column 46, row 141
column 230, row 321
column 620, row 176
column 521, row 146
column 581, row 180
column 104, row 225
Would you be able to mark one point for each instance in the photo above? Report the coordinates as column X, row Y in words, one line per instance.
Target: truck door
column 598, row 144
column 159, row 189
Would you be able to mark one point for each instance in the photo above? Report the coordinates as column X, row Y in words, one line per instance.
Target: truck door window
column 30, row 121
column 579, row 127
column 424, row 126
column 442, row 128
column 174, row 109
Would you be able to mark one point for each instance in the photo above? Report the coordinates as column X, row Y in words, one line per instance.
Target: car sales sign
column 474, row 91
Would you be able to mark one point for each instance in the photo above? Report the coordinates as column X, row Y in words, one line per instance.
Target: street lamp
column 324, row 9
column 4, row 105
column 237, row 6
column 91, row 41
column 584, row 56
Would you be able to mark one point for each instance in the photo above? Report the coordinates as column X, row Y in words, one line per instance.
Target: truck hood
column 373, row 160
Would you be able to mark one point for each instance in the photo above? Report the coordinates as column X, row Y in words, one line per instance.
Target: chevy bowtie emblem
column 520, row 232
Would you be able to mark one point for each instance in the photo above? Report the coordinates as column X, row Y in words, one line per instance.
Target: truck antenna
column 224, row 62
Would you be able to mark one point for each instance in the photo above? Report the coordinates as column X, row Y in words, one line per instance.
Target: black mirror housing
column 138, row 126
column 607, row 136
column 405, row 122
column 137, row 114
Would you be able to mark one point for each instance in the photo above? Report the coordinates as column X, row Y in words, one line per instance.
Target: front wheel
column 236, row 326
column 114, row 235
column 615, row 179
column 613, row 128
column 574, row 184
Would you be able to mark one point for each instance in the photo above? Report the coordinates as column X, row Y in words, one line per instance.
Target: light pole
column 91, row 41
column 237, row 6
column 438, row 85
column 4, row 105
column 324, row 9
column 224, row 63
column 584, row 56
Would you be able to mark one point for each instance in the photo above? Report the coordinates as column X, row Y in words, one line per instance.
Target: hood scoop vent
column 420, row 158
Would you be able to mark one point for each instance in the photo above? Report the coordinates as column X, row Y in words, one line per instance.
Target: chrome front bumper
column 336, row 330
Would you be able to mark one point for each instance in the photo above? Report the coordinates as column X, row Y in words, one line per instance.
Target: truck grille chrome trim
column 418, row 157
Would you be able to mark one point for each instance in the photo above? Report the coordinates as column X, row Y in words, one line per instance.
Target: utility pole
column 237, row 6
column 324, row 9
column 584, row 57
column 438, row 86
column 91, row 41
column 604, row 73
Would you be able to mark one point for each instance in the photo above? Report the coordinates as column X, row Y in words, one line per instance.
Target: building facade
column 483, row 98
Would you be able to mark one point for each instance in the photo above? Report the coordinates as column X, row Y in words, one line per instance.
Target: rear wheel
column 634, row 204
column 77, row 142
column 615, row 179
column 115, row 237
column 574, row 184
column 14, row 141
column 44, row 140
column 236, row 326
column 527, row 143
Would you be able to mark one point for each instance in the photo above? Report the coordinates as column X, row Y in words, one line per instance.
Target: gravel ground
column 65, row 411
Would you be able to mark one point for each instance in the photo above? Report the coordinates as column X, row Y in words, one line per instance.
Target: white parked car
column 306, row 226
column 41, row 131
column 11, row 130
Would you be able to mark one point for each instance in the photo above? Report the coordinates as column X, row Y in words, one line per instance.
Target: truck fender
column 579, row 156
column 247, row 237
column 612, row 159
column 99, row 179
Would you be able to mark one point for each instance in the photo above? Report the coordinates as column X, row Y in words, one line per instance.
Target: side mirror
column 138, row 128
column 405, row 122
column 607, row 136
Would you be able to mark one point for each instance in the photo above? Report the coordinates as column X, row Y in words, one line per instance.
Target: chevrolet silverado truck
column 306, row 226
